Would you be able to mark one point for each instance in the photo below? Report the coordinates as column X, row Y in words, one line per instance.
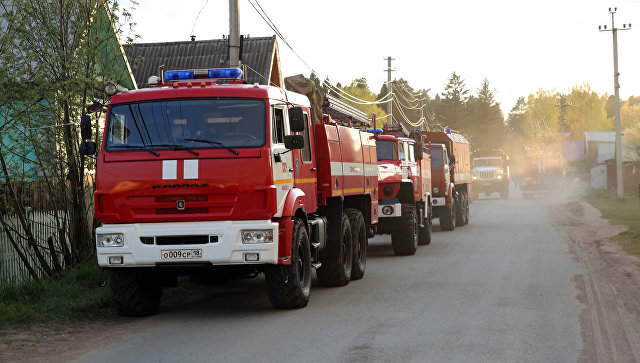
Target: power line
column 197, row 16
column 273, row 27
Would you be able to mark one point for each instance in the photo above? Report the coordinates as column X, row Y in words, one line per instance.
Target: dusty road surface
column 525, row 281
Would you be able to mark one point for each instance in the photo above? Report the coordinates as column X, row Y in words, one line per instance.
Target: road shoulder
column 609, row 286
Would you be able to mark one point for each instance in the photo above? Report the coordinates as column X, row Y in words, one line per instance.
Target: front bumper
column 228, row 250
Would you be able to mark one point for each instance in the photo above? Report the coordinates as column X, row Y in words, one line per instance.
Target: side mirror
column 294, row 142
column 85, row 127
column 296, row 119
column 452, row 160
column 87, row 148
column 419, row 151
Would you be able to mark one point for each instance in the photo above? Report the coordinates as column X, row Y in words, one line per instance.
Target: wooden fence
column 44, row 225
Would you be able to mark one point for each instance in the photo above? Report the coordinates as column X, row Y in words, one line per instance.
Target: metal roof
column 260, row 55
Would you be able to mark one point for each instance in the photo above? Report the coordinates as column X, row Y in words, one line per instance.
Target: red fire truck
column 404, row 195
column 200, row 178
column 451, row 176
column 542, row 171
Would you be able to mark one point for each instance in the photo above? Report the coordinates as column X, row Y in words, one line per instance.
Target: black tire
column 460, row 210
column 338, row 258
column 289, row 286
column 466, row 210
column 448, row 218
column 360, row 243
column 424, row 232
column 404, row 238
column 136, row 291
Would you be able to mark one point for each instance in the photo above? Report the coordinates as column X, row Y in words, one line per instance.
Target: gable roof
column 260, row 55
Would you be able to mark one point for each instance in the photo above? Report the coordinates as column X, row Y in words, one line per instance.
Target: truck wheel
column 336, row 266
column 360, row 243
column 424, row 233
column 289, row 286
column 404, row 238
column 448, row 218
column 460, row 210
column 466, row 210
column 136, row 291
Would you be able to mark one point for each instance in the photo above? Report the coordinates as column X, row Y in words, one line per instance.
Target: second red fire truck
column 404, row 177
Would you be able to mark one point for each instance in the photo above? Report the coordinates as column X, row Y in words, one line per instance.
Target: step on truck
column 450, row 177
column 404, row 194
column 216, row 181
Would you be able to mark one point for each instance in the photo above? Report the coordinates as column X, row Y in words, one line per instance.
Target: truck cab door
column 447, row 169
column 281, row 158
column 304, row 166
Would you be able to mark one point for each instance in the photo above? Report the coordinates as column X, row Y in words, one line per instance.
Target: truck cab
column 491, row 174
column 200, row 178
column 404, row 195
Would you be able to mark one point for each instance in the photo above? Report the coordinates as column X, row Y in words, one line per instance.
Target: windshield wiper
column 215, row 143
column 134, row 147
column 177, row 147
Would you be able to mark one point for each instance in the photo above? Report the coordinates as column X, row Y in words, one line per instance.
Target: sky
column 519, row 46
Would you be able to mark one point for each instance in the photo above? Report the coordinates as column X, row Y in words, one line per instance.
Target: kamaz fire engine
column 404, row 195
column 450, row 177
column 195, row 177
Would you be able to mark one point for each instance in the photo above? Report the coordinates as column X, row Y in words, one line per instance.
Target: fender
column 449, row 196
column 295, row 200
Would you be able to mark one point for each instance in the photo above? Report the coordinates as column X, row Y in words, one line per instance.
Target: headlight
column 387, row 210
column 436, row 190
column 499, row 176
column 257, row 236
column 475, row 177
column 110, row 240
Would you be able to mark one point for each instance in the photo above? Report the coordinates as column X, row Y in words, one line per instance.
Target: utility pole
column 390, row 88
column 563, row 118
column 616, row 86
column 234, row 33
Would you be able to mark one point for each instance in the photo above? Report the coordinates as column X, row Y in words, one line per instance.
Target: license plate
column 181, row 254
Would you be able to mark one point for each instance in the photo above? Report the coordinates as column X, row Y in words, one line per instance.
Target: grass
column 74, row 296
column 622, row 212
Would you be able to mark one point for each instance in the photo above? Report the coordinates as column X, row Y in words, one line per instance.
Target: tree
column 61, row 52
column 451, row 111
column 359, row 89
column 587, row 112
column 485, row 122
column 516, row 118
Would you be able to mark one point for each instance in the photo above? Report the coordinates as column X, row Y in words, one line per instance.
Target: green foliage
column 587, row 112
column 61, row 52
column 360, row 89
column 74, row 296
column 620, row 211
column 452, row 108
column 485, row 121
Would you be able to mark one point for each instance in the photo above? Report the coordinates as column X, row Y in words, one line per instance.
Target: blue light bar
column 378, row 131
column 220, row 73
column 214, row 73
column 178, row 75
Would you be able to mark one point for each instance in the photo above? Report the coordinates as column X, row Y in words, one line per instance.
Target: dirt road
column 508, row 287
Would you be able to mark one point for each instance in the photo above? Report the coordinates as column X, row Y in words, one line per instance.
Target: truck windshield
column 386, row 150
column 436, row 155
column 487, row 162
column 189, row 123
